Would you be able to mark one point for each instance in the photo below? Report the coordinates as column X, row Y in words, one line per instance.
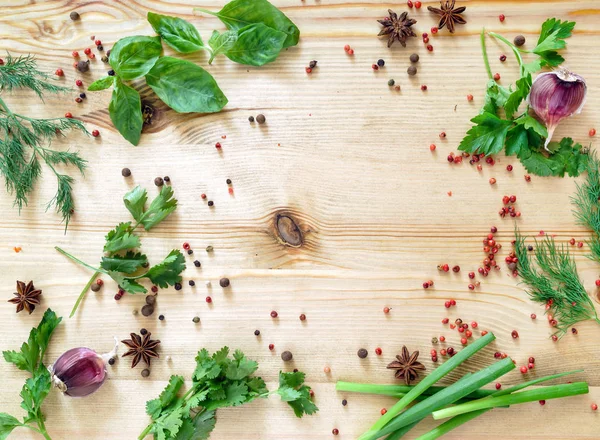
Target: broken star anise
column 406, row 366
column 397, row 27
column 142, row 348
column 449, row 15
column 26, row 297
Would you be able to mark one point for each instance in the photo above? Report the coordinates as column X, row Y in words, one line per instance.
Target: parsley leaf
column 160, row 208
column 241, row 367
column 155, row 406
column 168, row 272
column 568, row 158
column 495, row 97
column 135, row 202
column 293, row 391
column 199, row 428
column 121, row 238
column 552, row 38
column 516, row 98
column 7, row 424
column 487, row 136
column 128, row 263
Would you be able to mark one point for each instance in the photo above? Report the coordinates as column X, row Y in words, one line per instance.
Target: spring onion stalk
column 399, row 390
column 427, row 382
column 544, row 393
column 400, row 433
column 456, row 421
column 463, row 387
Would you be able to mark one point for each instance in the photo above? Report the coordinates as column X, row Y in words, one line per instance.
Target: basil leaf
column 125, row 111
column 256, row 45
column 241, row 13
column 132, row 57
column 185, row 87
column 221, row 43
column 181, row 35
column 101, row 84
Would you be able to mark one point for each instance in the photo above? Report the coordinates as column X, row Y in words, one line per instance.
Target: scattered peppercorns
column 261, row 119
column 274, row 314
column 74, row 16
column 145, row 372
column 362, row 353
column 224, row 282
column 84, row 66
column 196, row 319
column 211, row 203
column 159, row 181
column 412, row 70
column 286, row 356
column 147, row 310
column 391, row 82
column 519, row 40
column 414, row 58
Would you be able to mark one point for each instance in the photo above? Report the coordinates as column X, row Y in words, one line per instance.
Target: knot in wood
column 287, row 231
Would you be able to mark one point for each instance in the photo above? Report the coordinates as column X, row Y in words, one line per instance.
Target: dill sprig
column 587, row 205
column 554, row 282
column 24, row 141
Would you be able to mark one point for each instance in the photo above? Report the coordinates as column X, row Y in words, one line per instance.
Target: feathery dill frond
column 554, row 282
column 22, row 73
column 587, row 205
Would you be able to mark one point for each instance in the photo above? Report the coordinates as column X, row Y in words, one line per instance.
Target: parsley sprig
column 122, row 262
column 37, row 387
column 501, row 126
column 217, row 382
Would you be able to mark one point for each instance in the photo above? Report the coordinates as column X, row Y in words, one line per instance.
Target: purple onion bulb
column 80, row 371
column 557, row 95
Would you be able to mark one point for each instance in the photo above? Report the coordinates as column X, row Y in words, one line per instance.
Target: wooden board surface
column 349, row 158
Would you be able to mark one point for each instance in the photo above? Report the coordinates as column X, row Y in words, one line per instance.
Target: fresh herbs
column 500, row 125
column 37, row 387
column 217, row 382
column 587, row 205
column 122, row 261
column 257, row 33
column 554, row 283
column 24, row 141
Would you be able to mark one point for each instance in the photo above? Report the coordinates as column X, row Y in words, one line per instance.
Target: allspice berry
column 224, row 282
column 151, row 300
column 74, row 16
column 414, row 58
column 83, row 66
column 159, row 181
column 95, row 287
column 261, row 119
column 196, row 319
column 362, row 353
column 145, row 372
column 125, row 172
column 286, row 356
column 147, row 310
column 519, row 40
column 412, row 70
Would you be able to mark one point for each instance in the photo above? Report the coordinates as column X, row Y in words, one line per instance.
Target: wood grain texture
column 348, row 158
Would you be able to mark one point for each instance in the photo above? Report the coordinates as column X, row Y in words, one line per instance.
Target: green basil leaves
column 177, row 33
column 185, row 87
column 125, row 111
column 221, row 43
column 256, row 45
column 133, row 57
column 102, row 83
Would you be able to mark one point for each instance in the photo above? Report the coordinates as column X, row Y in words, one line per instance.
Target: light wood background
column 349, row 159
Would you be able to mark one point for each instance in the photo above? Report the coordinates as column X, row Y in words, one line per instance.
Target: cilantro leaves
column 123, row 262
column 37, row 387
column 218, row 381
column 520, row 134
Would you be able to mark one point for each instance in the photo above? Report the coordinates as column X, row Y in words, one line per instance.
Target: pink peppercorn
column 271, row 347
column 208, row 299
column 430, row 48
column 498, row 386
column 469, row 97
column 218, row 145
column 496, row 76
column 274, row 314
column 592, row 132
column 501, row 17
column 378, row 351
column 423, row 87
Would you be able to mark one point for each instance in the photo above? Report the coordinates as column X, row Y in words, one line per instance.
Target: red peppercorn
column 456, row 269
column 308, row 70
column 87, row 51
column 378, row 351
column 302, row 317
column 443, row 352
column 75, row 54
column 386, row 310
column 95, row 133
column 434, row 359
column 423, row 87
column 78, row 99
column 442, row 135
column 432, row 147
column 502, row 58
column 572, row 242
column 514, row 334
column 533, row 316
column 445, row 321
column 453, row 302
column 523, row 369
column 496, row 76
column 208, row 299
column 492, row 181
column 347, row 47
column 592, row 132
column 594, row 407
column 484, row 332
column 118, row 297
column 530, row 366
column 442, row 338
column 68, row 115
column 425, row 285
column 59, row 72
column 218, row 145
column 461, row 329
column 445, row 268
column 498, row 385
column 78, row 83
column 580, row 244
column 479, row 167
column 409, row 3
column 501, row 17
column 469, row 97
column 203, row 196
column 425, row 35
column 374, row 67
column 463, row 341
column 335, row 431
column 527, row 178
column 447, row 304
column 471, row 287
column 154, row 289
column 274, row 314
column 351, row 52
column 1, row 62
column 186, row 246
column 468, row 333
column 98, row 43
column 430, row 47
column 542, row 402
column 554, row 338
column 383, row 411
column 418, row 5
column 509, row 167
column 271, row 347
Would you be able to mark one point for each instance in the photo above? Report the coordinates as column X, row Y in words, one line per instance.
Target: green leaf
column 235, row 394
column 291, row 379
column 552, row 38
column 18, row 359
column 185, row 87
column 241, row 13
column 487, row 136
column 135, row 202
column 130, row 285
column 7, row 424
column 125, row 109
column 102, row 83
column 495, row 97
column 220, row 357
column 34, row 392
column 297, row 395
column 153, row 408
column 133, row 57
column 514, row 100
column 288, row 394
column 533, row 67
column 121, row 238
column 168, row 395
column 221, row 43
column 531, row 123
column 181, row 35
column 168, row 272
column 45, row 329
column 256, row 45
column 163, row 205
column 567, row 159
column 241, row 368
column 128, row 263
column 257, row 386
column 198, row 429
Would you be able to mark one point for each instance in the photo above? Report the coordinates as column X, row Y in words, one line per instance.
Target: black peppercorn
column 147, row 310
column 344, row 402
column 412, row 70
column 192, row 283
column 380, row 62
column 196, row 319
column 84, row 66
column 143, row 331
column 224, row 282
column 159, row 181
column 111, row 73
column 211, row 203
column 100, row 48
column 111, row 361
column 286, row 356
column 167, row 179
column 228, row 181
column 256, row 332
column 74, row 16
column 161, row 317
column 391, row 82
column 104, row 59
column 108, row 53
column 261, row 119
column 177, row 286
column 519, row 40
column 362, row 353
column 145, row 372
column 529, row 248
column 209, row 248
column 82, row 95
column 251, row 118
column 312, row 64
column 95, row 287
column 197, row 263
column 151, row 299
column 190, row 251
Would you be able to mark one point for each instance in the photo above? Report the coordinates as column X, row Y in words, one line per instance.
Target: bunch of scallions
column 466, row 395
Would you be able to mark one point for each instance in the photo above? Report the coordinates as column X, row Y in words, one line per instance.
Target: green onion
column 427, row 382
column 449, row 395
column 399, row 390
column 544, row 393
column 456, row 421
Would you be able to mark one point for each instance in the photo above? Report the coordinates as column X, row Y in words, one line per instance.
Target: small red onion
column 80, row 371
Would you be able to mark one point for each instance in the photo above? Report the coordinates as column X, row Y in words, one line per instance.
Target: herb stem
column 485, row 55
column 42, row 426
column 145, row 432
column 3, row 105
column 83, row 292
column 514, row 48
column 77, row 260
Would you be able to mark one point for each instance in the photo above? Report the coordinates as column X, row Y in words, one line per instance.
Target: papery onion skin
column 557, row 95
column 79, row 372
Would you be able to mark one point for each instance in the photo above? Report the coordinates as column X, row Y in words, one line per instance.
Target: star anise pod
column 406, row 366
column 27, row 297
column 142, row 348
column 449, row 15
column 397, row 27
